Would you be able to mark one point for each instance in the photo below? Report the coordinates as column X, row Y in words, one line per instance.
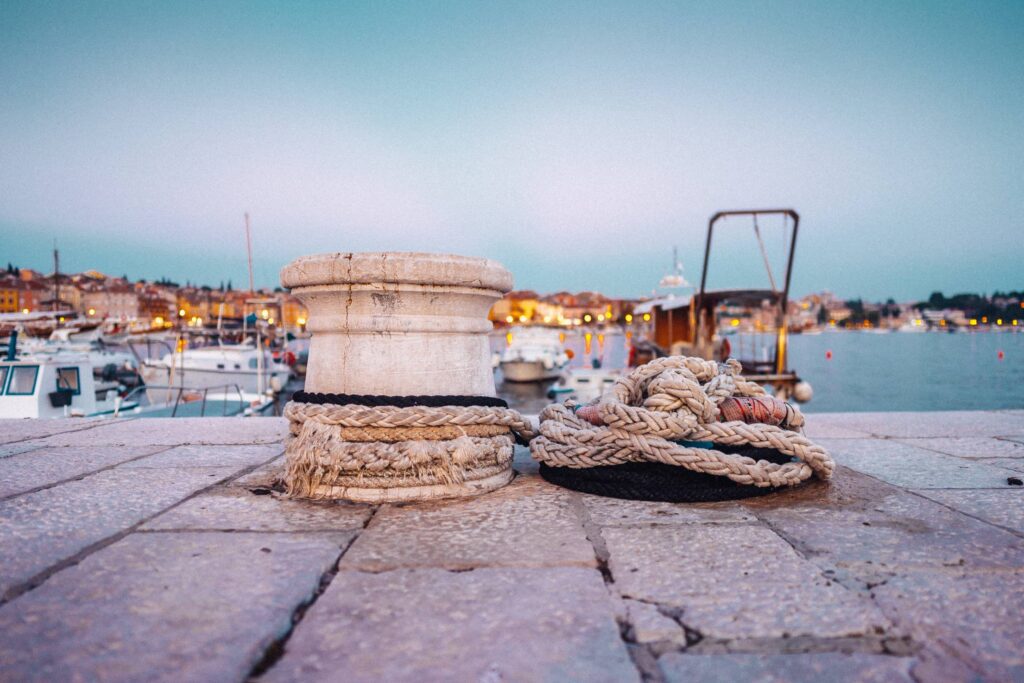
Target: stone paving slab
column 46, row 466
column 973, row 619
column 1005, row 508
column 735, row 581
column 12, row 431
column 165, row 607
column 528, row 523
column 554, row 624
column 180, row 431
column 532, row 582
column 211, row 456
column 238, row 509
column 904, row 465
column 792, row 668
column 971, row 447
column 1014, row 464
column 42, row 529
column 266, row 476
column 929, row 424
column 861, row 527
column 618, row 512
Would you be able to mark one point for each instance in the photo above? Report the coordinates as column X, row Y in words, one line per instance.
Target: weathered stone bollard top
column 396, row 267
column 397, row 323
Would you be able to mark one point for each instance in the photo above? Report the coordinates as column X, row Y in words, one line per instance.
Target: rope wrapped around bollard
column 676, row 429
column 381, row 447
column 676, row 411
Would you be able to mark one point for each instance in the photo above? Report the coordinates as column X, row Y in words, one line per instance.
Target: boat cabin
column 54, row 386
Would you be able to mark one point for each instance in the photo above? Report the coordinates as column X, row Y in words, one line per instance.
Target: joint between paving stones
column 79, row 477
column 273, row 653
column 40, row 578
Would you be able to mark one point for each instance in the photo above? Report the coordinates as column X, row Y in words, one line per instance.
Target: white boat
column 583, row 384
column 215, row 366
column 534, row 354
column 55, row 385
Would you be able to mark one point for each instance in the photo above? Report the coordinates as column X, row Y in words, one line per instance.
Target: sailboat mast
column 248, row 246
column 260, row 380
column 56, row 277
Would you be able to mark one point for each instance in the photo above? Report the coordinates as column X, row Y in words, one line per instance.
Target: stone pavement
column 163, row 550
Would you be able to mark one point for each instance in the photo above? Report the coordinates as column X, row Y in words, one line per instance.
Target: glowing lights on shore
column 301, row 321
column 647, row 317
column 509, row 319
column 735, row 322
column 587, row 317
column 629, row 318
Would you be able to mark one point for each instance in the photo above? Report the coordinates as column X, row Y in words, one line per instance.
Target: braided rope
column 675, row 399
column 339, row 447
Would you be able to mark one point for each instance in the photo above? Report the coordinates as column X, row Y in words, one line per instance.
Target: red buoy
column 828, row 355
column 1001, row 354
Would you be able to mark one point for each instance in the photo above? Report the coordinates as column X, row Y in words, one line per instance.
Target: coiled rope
column 340, row 444
column 646, row 414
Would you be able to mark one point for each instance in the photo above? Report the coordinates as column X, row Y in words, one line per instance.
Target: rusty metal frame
column 782, row 297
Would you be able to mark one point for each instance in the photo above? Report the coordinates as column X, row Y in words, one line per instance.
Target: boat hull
column 202, row 378
column 527, row 371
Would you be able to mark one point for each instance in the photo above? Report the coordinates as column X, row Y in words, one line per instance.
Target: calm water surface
column 866, row 372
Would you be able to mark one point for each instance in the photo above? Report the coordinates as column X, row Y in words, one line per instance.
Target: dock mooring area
column 166, row 550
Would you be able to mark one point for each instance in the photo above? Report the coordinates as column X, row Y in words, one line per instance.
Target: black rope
column 399, row 401
column 654, row 481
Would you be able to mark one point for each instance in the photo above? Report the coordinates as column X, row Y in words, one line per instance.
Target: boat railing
column 187, row 395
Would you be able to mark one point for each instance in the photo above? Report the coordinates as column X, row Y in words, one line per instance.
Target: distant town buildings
column 95, row 296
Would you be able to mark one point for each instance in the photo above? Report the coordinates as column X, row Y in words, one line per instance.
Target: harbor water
column 854, row 371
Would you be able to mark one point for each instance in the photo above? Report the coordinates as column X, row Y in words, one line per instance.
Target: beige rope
column 676, row 399
column 338, row 446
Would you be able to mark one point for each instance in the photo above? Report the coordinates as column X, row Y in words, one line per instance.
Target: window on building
column 67, row 378
column 23, row 380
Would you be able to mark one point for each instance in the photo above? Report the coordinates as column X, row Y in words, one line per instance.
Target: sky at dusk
column 576, row 143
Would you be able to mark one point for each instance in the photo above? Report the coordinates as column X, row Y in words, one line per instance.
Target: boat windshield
column 3, row 377
column 23, row 380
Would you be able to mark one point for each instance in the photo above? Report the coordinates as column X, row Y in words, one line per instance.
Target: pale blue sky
column 574, row 142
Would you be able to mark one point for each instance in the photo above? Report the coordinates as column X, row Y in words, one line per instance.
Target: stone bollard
column 389, row 332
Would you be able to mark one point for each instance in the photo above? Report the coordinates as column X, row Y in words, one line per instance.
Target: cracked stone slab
column 619, row 512
column 961, row 423
column 236, row 508
column 211, row 456
column 911, row 467
column 1014, row 464
column 481, row 625
column 45, row 466
column 181, row 431
column 648, row 625
column 528, row 523
column 165, row 607
column 1005, row 508
column 789, row 668
column 265, row 476
column 14, row 430
column 872, row 530
column 735, row 581
column 973, row 618
column 41, row 529
column 971, row 447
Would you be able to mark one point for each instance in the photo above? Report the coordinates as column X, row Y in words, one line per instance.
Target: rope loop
column 653, row 413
